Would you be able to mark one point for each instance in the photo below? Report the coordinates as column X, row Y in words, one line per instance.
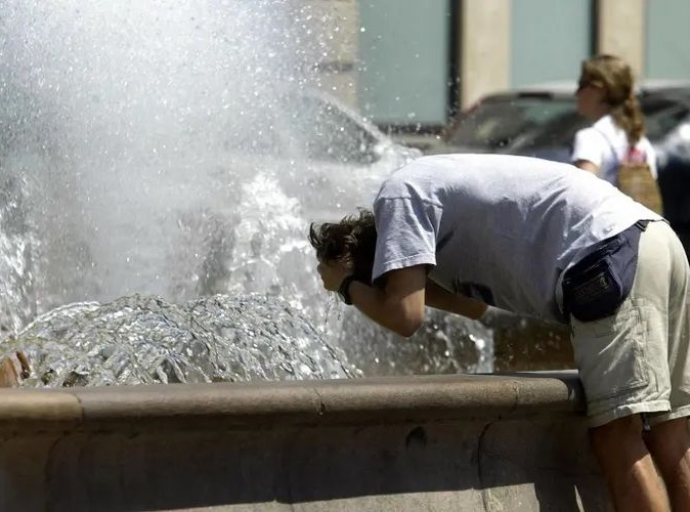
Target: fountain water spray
column 169, row 148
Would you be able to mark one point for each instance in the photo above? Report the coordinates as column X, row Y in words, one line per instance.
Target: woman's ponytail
column 628, row 116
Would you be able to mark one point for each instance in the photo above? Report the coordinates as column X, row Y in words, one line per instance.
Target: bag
column 597, row 285
column 636, row 181
column 634, row 178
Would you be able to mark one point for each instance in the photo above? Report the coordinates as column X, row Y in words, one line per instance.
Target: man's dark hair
column 352, row 241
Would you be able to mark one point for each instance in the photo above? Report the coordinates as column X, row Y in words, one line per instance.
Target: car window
column 496, row 122
column 322, row 131
column 662, row 115
column 558, row 132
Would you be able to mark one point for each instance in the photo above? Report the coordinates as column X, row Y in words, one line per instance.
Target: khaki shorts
column 637, row 361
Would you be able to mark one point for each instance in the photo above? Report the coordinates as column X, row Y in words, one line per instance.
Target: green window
column 404, row 61
column 549, row 40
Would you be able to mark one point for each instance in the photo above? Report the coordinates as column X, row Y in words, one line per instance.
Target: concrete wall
column 481, row 443
column 621, row 31
column 484, row 48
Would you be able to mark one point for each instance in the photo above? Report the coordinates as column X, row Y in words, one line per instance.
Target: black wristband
column 344, row 289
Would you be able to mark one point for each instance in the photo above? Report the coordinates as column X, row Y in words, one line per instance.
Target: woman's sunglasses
column 583, row 84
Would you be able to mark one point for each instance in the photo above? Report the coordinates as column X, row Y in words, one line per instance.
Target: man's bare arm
column 399, row 306
column 439, row 298
column 588, row 166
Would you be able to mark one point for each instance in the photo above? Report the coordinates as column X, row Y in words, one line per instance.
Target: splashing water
column 136, row 340
column 173, row 148
column 120, row 117
column 16, row 243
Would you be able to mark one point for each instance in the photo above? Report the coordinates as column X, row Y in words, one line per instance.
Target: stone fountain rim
column 278, row 404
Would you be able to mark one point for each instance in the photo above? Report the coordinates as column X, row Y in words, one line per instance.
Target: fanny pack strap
column 642, row 224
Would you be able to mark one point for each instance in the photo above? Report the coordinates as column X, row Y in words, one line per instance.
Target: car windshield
column 313, row 127
column 498, row 120
column 324, row 132
column 557, row 132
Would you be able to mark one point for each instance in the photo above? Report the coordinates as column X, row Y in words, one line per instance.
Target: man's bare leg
column 669, row 444
column 627, row 466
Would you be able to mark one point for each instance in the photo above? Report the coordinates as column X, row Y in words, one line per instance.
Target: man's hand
column 332, row 274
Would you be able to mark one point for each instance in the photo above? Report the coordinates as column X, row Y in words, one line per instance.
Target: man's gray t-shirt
column 501, row 229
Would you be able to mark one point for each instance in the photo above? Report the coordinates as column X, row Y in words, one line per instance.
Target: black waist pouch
column 597, row 285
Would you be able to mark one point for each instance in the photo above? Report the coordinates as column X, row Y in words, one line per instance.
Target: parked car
column 664, row 107
column 542, row 120
column 322, row 151
column 310, row 125
column 497, row 121
column 673, row 157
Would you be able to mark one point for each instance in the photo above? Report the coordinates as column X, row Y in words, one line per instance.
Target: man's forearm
column 400, row 316
column 399, row 306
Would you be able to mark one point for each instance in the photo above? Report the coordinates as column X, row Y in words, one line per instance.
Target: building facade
column 411, row 63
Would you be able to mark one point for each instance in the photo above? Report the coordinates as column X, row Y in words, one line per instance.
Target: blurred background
column 413, row 65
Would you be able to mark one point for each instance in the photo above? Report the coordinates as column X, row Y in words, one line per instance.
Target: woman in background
column 605, row 95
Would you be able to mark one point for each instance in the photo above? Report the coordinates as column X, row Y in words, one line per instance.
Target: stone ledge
column 481, row 443
column 270, row 404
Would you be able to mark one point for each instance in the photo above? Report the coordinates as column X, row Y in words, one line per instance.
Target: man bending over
column 460, row 232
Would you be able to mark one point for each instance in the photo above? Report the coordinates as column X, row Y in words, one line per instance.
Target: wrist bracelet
column 344, row 289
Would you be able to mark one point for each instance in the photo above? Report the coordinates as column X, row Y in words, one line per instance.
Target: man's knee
column 628, row 425
column 672, row 435
column 618, row 435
